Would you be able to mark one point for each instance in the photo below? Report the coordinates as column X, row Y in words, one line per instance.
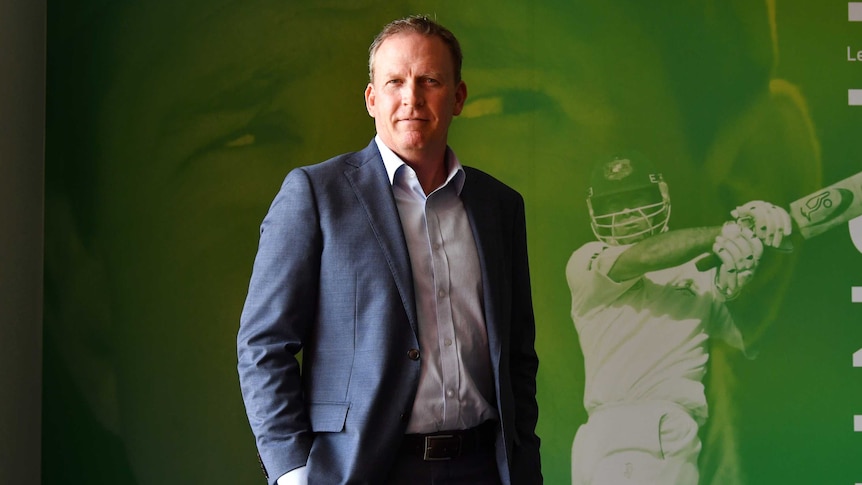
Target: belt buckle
column 429, row 454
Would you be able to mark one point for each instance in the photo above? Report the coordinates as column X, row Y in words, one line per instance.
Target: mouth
column 412, row 122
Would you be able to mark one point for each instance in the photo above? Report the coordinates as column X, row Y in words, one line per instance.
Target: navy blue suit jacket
column 332, row 279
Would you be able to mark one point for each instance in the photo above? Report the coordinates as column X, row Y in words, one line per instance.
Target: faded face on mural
column 198, row 110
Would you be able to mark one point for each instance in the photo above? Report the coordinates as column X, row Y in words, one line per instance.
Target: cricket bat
column 816, row 213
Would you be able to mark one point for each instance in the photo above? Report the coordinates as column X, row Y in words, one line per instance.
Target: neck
column 431, row 170
column 430, row 183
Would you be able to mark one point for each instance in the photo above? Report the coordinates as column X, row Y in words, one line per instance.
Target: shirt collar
column 393, row 162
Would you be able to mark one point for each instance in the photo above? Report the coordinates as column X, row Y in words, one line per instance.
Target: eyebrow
column 224, row 90
column 242, row 92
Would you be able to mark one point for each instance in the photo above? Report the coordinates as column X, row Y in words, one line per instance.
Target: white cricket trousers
column 639, row 443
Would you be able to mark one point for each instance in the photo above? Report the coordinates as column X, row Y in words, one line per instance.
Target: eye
column 215, row 137
column 512, row 102
column 263, row 129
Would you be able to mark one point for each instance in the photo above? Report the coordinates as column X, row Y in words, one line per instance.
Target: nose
column 411, row 94
column 628, row 216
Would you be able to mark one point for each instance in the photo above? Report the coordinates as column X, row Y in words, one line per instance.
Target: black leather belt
column 445, row 445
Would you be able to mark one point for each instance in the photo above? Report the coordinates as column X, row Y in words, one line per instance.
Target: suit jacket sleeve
column 278, row 314
column 524, row 363
column 498, row 215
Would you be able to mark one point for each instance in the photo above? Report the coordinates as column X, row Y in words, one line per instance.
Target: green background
column 170, row 128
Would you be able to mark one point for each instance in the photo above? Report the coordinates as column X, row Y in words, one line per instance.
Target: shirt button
column 413, row 354
column 450, row 393
column 441, row 293
column 447, row 342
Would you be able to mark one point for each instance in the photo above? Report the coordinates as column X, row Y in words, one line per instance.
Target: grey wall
column 22, row 102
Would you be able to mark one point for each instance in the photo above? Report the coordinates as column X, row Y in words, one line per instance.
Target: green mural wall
column 172, row 124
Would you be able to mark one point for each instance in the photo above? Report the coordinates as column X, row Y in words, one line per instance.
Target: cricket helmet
column 628, row 199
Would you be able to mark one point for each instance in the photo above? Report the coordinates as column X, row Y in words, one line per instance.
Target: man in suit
column 402, row 276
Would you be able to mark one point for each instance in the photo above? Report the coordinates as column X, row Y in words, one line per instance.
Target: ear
column 460, row 97
column 770, row 152
column 77, row 311
column 370, row 100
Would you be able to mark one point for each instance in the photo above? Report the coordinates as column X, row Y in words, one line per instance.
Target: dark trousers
column 477, row 467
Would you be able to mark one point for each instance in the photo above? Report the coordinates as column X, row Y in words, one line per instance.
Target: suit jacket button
column 413, row 354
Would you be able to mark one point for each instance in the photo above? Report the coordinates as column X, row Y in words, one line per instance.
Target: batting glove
column 769, row 222
column 740, row 251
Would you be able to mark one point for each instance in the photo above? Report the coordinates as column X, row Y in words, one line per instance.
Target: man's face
column 198, row 127
column 414, row 95
column 629, row 217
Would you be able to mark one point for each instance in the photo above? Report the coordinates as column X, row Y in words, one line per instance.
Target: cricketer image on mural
column 171, row 126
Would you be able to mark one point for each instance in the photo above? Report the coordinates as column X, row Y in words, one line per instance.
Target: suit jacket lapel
column 368, row 178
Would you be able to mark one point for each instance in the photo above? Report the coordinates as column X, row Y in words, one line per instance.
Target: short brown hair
column 418, row 24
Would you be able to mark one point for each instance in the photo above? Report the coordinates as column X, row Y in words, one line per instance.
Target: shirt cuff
column 297, row 476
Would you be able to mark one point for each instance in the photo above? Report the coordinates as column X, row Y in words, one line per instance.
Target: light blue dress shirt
column 456, row 381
